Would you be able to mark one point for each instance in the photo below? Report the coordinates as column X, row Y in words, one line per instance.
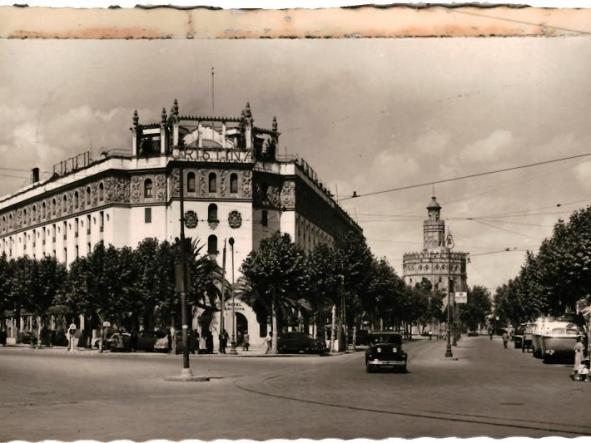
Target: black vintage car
column 300, row 342
column 385, row 352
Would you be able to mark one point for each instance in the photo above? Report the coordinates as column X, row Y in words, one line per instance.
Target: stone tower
column 435, row 262
column 433, row 227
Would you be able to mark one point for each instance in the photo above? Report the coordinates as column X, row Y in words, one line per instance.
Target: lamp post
column 183, row 279
column 233, row 343
column 223, row 296
column 449, row 246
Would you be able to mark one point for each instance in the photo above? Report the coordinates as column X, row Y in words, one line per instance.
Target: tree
column 5, row 282
column 356, row 267
column 47, row 283
column 322, row 282
column 384, row 294
column 477, row 308
column 274, row 276
column 21, row 285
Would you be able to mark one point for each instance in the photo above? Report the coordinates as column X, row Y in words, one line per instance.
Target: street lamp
column 449, row 246
column 233, row 344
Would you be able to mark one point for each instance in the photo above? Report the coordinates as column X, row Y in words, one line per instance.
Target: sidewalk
column 253, row 352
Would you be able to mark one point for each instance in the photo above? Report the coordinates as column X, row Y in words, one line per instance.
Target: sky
column 368, row 115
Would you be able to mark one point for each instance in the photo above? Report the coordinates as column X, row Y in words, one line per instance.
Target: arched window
column 101, row 192
column 212, row 182
column 24, row 216
column 212, row 244
column 34, row 213
column 233, row 183
column 148, row 188
column 76, row 200
column 212, row 213
column 43, row 210
column 191, row 182
column 88, row 195
column 53, row 205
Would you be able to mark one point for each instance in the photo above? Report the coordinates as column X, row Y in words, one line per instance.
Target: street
column 49, row 394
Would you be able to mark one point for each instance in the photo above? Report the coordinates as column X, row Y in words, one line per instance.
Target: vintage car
column 115, row 341
column 162, row 344
column 559, row 339
column 385, row 352
column 300, row 343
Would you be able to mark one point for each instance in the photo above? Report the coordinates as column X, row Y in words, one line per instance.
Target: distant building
column 435, row 263
column 235, row 186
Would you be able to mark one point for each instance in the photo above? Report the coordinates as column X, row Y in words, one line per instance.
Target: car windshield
column 394, row 339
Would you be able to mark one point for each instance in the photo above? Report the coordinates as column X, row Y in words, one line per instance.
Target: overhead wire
column 464, row 177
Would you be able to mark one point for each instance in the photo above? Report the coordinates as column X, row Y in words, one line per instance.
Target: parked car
column 162, row 344
column 300, row 343
column 115, row 342
column 385, row 352
column 147, row 339
column 473, row 334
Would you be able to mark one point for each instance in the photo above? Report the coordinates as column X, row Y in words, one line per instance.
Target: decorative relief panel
column 247, row 184
column 117, row 190
column 234, row 219
column 288, row 195
column 202, row 184
column 222, row 175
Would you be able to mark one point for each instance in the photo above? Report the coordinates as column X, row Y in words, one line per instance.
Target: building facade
column 437, row 262
column 234, row 186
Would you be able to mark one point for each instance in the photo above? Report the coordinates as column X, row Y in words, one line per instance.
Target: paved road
column 487, row 391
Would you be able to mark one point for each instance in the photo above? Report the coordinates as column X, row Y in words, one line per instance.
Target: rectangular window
column 102, row 221
column 148, row 215
column 65, row 230
column 88, row 224
column 264, row 218
column 89, row 248
column 66, row 255
column 76, row 229
column 77, row 252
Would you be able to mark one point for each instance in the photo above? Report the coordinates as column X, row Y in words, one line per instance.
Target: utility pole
column 183, row 280
column 223, row 293
column 449, row 246
column 233, row 344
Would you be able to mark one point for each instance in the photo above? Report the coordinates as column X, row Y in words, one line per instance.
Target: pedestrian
column 223, row 341
column 579, row 349
column 505, row 339
column 209, row 342
column 245, row 342
column 491, row 332
column 133, row 340
column 195, row 341
column 71, row 336
column 268, row 342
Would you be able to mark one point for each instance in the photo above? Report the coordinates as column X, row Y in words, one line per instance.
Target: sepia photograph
column 284, row 238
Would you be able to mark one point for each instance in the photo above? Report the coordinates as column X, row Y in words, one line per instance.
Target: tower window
column 212, row 182
column 212, row 244
column 212, row 213
column 191, row 182
column 101, row 192
column 88, row 195
column 148, row 188
column 234, row 183
column 148, row 215
column 265, row 220
column 76, row 200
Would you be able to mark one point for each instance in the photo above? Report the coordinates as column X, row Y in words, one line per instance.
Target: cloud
column 583, row 174
column 497, row 145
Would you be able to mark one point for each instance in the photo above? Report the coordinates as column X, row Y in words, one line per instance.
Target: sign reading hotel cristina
column 214, row 155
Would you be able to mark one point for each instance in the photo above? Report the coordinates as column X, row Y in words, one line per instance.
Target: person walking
column 71, row 337
column 579, row 350
column 245, row 342
column 505, row 339
column 491, row 332
column 268, row 342
column 223, row 341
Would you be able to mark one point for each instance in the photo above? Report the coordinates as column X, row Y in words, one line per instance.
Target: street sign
column 461, row 297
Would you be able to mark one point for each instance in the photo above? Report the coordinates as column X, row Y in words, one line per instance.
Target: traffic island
column 186, row 375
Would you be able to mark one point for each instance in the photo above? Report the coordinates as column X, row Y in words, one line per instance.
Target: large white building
column 235, row 186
